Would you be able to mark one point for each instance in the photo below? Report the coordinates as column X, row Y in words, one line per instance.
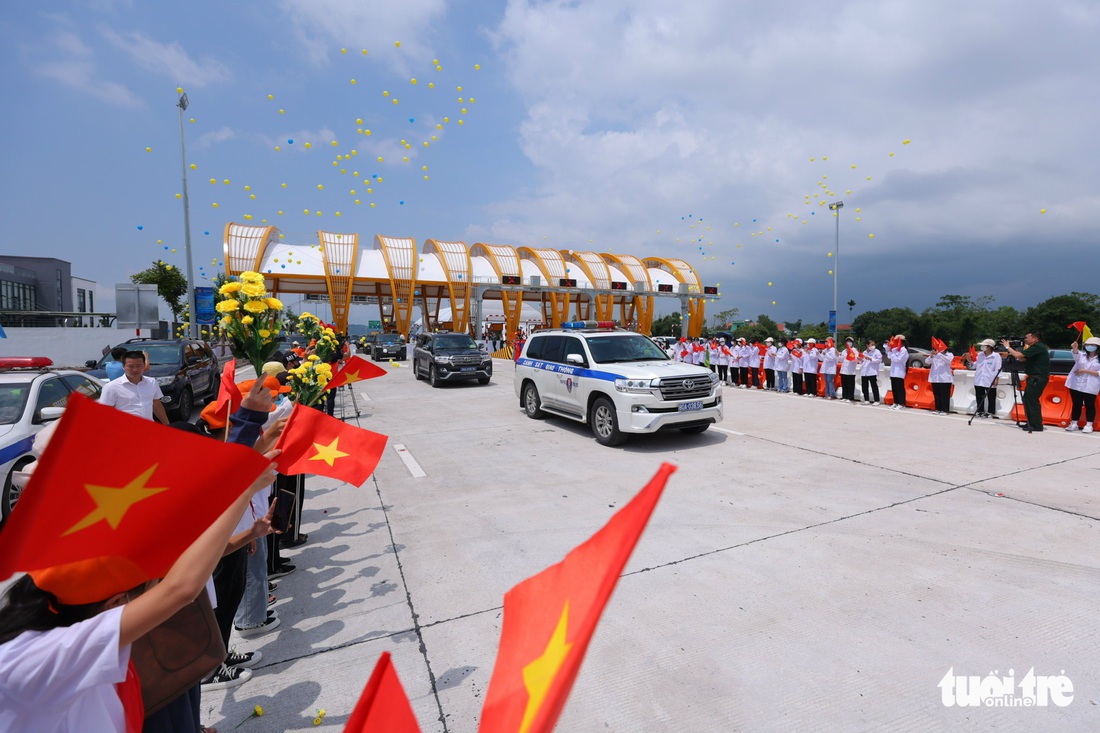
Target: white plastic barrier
column 963, row 397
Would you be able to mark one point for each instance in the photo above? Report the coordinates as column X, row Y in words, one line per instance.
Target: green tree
column 666, row 325
column 770, row 327
column 720, row 321
column 1052, row 316
column 881, row 325
column 819, row 331
column 171, row 285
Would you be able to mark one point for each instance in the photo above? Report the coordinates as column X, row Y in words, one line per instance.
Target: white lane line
column 409, row 461
column 727, row 432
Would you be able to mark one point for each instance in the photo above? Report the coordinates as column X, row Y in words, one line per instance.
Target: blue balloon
column 140, row 227
column 754, row 221
column 284, row 267
column 166, row 247
column 411, row 120
column 401, row 203
column 290, row 141
column 777, row 241
column 207, row 233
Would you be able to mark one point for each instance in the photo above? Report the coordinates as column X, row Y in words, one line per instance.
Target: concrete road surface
column 812, row 566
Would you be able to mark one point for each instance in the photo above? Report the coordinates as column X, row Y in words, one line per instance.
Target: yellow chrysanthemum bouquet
column 250, row 319
column 307, row 382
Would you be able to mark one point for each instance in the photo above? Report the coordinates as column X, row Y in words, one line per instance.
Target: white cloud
column 65, row 58
column 168, row 59
column 212, row 138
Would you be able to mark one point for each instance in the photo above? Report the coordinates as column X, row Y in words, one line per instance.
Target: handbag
column 178, row 654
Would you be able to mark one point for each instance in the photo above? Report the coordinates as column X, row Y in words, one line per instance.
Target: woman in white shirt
column 871, row 361
column 769, row 364
column 809, row 368
column 849, row 362
column 1083, row 383
column 899, row 365
column 782, row 366
column 828, row 369
column 940, row 377
column 987, row 368
column 796, row 366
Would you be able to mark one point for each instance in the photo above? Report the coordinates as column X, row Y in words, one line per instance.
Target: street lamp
column 192, row 315
column 835, row 207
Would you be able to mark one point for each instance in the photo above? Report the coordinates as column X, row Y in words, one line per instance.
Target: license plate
column 689, row 406
column 469, row 369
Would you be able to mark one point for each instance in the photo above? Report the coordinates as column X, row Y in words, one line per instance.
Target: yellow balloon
column 179, row 195
column 334, row 143
column 460, row 89
column 194, row 167
column 343, row 50
column 179, row 90
column 364, row 52
column 280, row 212
column 252, row 196
column 395, row 100
column 412, row 81
column 397, row 44
column 385, row 93
column 769, row 284
column 830, row 254
column 226, row 181
column 215, row 204
column 871, row 236
column 356, row 202
column 431, row 85
column 353, row 81
column 1042, row 211
column 477, row 67
column 905, row 141
column 830, row 272
column 309, row 145
column 379, row 158
column 271, row 96
column 148, row 150
column 282, row 111
column 213, row 180
column 320, row 187
column 338, row 213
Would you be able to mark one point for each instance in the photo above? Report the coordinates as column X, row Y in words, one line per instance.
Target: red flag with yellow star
column 356, row 369
column 111, row 484
column 550, row 618
column 383, row 706
column 229, row 396
column 313, row 442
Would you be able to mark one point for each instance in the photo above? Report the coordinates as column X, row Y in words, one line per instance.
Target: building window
column 81, row 301
column 60, row 306
column 91, row 301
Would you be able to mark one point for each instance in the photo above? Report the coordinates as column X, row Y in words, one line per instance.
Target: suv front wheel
column 433, row 376
column 185, row 404
column 532, row 406
column 605, row 423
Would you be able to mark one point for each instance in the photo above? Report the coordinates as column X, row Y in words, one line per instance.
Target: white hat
column 811, row 341
column 295, row 343
column 769, row 340
column 988, row 342
column 900, row 336
column 1094, row 341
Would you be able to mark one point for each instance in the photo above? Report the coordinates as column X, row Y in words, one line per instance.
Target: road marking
column 728, row 432
column 409, row 461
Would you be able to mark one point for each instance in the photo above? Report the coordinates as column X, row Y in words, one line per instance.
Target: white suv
column 616, row 381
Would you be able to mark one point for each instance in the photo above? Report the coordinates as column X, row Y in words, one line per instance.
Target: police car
column 616, row 381
column 31, row 396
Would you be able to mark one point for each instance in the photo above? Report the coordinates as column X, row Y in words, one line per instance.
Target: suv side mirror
column 48, row 413
column 194, row 360
column 91, row 363
column 574, row 359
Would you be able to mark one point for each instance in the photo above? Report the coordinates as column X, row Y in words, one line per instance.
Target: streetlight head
column 183, row 102
column 836, row 206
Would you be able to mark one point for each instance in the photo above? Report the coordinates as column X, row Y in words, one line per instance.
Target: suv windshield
column 159, row 354
column 612, row 349
column 455, row 341
column 388, row 338
column 12, row 399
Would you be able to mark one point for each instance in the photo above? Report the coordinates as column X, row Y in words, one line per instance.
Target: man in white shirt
column 135, row 393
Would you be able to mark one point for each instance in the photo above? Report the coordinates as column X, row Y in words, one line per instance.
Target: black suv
column 185, row 370
column 447, row 357
column 387, row 346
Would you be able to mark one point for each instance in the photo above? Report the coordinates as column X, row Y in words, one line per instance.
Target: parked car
column 388, row 346
column 186, row 371
column 30, row 398
column 450, row 357
column 916, row 356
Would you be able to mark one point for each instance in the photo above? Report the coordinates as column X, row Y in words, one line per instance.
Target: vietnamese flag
column 313, row 442
column 145, row 497
column 383, row 706
column 550, row 617
column 1083, row 327
column 356, row 369
column 228, row 391
column 938, row 345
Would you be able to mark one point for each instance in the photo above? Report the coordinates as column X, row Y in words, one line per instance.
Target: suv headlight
column 713, row 379
column 443, row 359
column 637, row 386
column 165, row 381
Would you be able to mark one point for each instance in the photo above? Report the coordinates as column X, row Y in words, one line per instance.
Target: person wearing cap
column 940, row 376
column 742, row 377
column 987, row 369
column 849, row 363
column 899, row 366
column 1036, row 358
column 769, row 364
column 782, row 366
column 1083, row 383
column 810, row 360
column 712, row 354
column 868, row 370
column 796, row 366
column 829, row 359
column 723, row 360
column 66, row 631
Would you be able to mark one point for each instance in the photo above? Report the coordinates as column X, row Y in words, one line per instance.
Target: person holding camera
column 1083, row 383
column 987, row 369
column 1036, row 358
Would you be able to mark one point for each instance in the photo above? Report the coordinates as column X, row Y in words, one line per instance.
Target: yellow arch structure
column 505, row 261
column 339, row 253
column 685, row 273
column 639, row 309
column 458, row 269
column 399, row 254
column 599, row 274
column 243, row 247
column 555, row 306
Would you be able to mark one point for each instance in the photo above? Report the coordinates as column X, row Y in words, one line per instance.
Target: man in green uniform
column 1036, row 358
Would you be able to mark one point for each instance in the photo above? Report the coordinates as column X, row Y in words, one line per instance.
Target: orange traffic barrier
column 821, row 383
column 918, row 392
column 1055, row 402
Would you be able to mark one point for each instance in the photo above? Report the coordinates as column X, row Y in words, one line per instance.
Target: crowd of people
column 794, row 366
column 66, row 633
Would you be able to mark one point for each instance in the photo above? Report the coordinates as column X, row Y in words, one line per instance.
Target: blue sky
column 706, row 131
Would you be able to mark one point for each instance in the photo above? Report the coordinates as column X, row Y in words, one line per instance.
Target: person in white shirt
column 769, row 364
column 987, row 368
column 849, row 362
column 796, row 367
column 940, row 376
column 809, row 368
column 782, row 366
column 135, row 393
column 871, row 361
column 723, row 360
column 1083, row 383
column 899, row 365
column 828, row 368
column 712, row 354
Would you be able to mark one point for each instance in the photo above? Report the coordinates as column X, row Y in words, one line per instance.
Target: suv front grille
column 466, row 360
column 685, row 388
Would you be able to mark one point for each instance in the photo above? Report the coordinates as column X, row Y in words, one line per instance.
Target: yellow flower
column 258, row 710
column 255, row 306
column 229, row 288
column 316, row 721
column 264, row 333
column 274, row 304
column 252, row 277
column 228, row 306
column 247, row 320
column 254, row 290
column 314, row 357
column 225, row 321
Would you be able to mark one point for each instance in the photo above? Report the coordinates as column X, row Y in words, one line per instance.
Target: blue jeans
column 253, row 609
column 830, row 385
column 781, row 383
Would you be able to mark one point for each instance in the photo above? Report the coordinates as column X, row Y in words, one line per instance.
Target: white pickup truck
column 616, row 381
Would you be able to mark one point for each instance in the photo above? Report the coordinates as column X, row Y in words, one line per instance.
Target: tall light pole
column 192, row 316
column 835, row 207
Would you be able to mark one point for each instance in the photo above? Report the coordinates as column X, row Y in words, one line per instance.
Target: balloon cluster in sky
column 348, row 169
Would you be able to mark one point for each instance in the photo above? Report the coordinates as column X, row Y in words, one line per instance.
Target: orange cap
column 89, row 581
